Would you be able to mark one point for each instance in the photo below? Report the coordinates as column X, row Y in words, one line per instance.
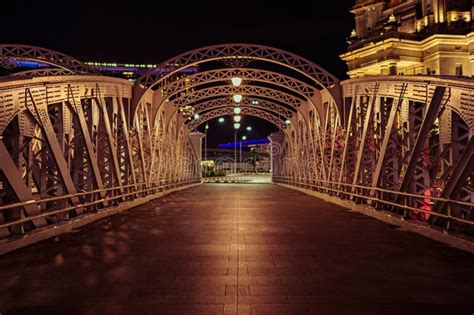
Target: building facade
column 411, row 37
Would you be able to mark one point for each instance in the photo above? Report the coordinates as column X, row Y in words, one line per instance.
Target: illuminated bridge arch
column 246, row 74
column 262, row 104
column 277, row 121
column 202, row 88
column 73, row 145
column 246, row 91
column 46, row 56
column 236, row 53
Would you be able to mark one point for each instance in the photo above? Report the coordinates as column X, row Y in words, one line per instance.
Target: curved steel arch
column 43, row 72
column 246, row 74
column 47, row 56
column 264, row 104
column 229, row 110
column 240, row 51
column 247, row 90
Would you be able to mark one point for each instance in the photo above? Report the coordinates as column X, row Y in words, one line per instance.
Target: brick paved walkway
column 228, row 249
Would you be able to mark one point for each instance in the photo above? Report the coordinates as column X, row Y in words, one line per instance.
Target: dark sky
column 143, row 33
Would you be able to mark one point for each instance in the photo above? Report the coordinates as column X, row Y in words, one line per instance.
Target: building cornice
column 432, row 41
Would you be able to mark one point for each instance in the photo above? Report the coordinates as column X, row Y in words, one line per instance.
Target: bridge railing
column 387, row 200
column 95, row 203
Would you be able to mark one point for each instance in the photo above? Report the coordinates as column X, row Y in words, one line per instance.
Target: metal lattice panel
column 245, row 91
column 247, row 75
column 245, row 111
column 264, row 104
column 238, row 51
column 43, row 55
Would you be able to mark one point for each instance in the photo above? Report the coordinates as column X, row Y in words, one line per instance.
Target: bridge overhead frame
column 405, row 144
column 76, row 145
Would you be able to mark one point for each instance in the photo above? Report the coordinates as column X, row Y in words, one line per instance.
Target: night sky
column 140, row 33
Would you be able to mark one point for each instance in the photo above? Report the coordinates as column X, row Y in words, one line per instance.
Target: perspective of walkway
column 237, row 249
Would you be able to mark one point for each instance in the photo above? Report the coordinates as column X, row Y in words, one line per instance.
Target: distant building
column 411, row 37
column 133, row 71
column 120, row 70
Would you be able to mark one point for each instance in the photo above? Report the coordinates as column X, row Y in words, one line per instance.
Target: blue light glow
column 231, row 145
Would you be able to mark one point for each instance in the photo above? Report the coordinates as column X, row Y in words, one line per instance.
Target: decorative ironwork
column 72, row 145
column 45, row 56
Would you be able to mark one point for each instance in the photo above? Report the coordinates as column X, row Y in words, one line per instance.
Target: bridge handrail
column 449, row 202
column 164, row 186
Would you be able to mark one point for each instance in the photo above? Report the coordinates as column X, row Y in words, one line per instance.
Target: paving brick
column 237, row 249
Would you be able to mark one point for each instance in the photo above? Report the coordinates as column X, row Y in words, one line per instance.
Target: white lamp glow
column 287, row 121
column 237, row 98
column 244, row 137
column 249, row 128
column 237, row 118
column 236, row 81
column 237, row 110
column 196, row 116
column 221, row 119
column 236, row 126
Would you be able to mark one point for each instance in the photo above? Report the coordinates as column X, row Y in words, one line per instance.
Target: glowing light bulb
column 237, row 110
column 237, row 98
column 221, row 119
column 236, row 81
column 237, row 118
column 236, row 126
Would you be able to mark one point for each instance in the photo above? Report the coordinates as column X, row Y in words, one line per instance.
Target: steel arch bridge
column 76, row 145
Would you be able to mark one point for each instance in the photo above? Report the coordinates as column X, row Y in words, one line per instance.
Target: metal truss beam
column 22, row 192
column 40, row 113
column 387, row 134
column 427, row 124
column 246, row 91
column 461, row 171
column 245, row 111
column 46, row 56
column 239, row 51
column 363, row 138
column 76, row 105
column 246, row 74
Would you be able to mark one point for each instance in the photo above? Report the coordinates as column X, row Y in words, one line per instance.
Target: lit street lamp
column 236, row 127
column 205, row 142
column 236, row 81
column 240, row 150
column 237, row 98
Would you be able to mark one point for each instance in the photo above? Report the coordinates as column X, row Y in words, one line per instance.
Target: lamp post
column 240, row 157
column 206, row 167
column 236, row 127
column 205, row 142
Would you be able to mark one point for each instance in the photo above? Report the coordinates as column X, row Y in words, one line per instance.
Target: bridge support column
column 196, row 142
column 276, row 151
